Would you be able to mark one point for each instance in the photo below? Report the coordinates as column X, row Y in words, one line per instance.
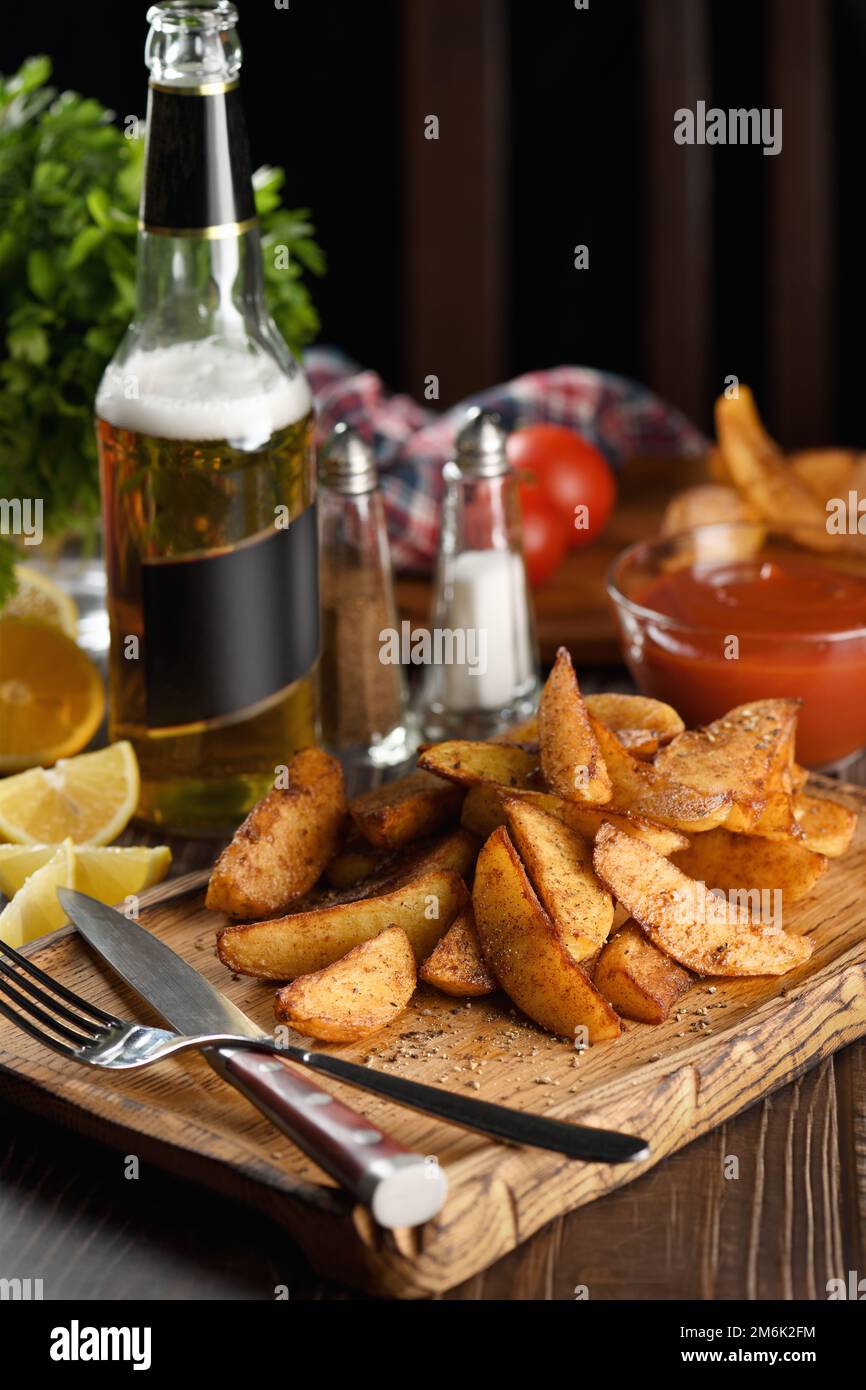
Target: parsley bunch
column 69, row 190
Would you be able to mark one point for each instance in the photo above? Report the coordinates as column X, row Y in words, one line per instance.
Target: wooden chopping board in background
column 571, row 609
column 730, row 1043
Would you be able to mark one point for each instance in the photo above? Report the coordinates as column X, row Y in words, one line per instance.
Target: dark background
column 702, row 263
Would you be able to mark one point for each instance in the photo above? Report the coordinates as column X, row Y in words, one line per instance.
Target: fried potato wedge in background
column 405, row 810
column 745, row 862
column 642, row 790
column 763, row 477
column 681, row 918
column 362, row 992
column 571, row 762
column 483, row 811
column 525, row 733
column 457, row 965
column 705, row 505
column 641, row 743
column 639, row 980
column 559, row 864
column 620, row 712
column 743, row 752
column 302, row 942
column 526, row 953
column 467, row 763
column 828, row 826
column 280, row 850
column 825, row 472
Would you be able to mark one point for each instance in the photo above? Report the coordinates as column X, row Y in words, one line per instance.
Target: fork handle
column 400, row 1188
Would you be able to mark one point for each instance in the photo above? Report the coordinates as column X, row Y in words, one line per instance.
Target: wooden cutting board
column 733, row 1042
column 572, row 607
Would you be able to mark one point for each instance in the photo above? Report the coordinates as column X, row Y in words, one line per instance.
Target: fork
column 84, row 1033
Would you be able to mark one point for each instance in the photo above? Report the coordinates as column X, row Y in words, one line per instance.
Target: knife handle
column 400, row 1188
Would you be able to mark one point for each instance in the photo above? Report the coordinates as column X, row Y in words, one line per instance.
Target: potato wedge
column 571, row 762
column 641, row 743
column 627, row 712
column 405, row 810
column 355, row 863
column 302, row 942
column 763, row 477
column 359, row 864
column 559, row 864
column 642, row 790
column 280, row 850
column 525, row 733
column 705, row 505
column 828, row 826
column 746, row 863
column 359, row 994
column 638, row 979
column 483, row 811
column 526, row 953
column 742, row 753
column 825, row 472
column 702, row 932
column 467, row 763
column 457, row 965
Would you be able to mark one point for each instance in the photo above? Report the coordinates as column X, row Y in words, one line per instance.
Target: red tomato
column 545, row 535
column 570, row 473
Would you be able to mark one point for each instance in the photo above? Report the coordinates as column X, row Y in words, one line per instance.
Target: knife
column 400, row 1188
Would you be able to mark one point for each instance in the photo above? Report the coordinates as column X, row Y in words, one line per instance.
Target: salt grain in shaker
column 363, row 697
column 483, row 669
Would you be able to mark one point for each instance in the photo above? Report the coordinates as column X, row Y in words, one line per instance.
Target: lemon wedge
column 37, row 596
column 90, row 799
column 52, row 698
column 36, row 908
column 105, row 873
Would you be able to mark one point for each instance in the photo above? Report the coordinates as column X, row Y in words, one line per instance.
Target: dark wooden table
column 794, row 1217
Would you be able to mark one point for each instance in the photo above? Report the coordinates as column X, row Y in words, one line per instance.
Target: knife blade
column 400, row 1187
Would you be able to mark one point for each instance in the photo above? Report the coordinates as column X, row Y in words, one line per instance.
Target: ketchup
column 756, row 629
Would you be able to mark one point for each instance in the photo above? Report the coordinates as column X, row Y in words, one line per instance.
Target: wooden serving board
column 572, row 607
column 733, row 1043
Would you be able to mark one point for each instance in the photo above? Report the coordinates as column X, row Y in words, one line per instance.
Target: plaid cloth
column 412, row 442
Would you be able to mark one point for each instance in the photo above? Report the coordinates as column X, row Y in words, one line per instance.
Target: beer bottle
column 205, row 433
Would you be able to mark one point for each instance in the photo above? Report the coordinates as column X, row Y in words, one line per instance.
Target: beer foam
column 202, row 390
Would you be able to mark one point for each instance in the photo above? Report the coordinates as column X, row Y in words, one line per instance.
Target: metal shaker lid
column 481, row 444
column 347, row 464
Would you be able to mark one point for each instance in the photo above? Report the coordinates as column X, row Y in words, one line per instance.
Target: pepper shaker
column 483, row 669
column 363, row 700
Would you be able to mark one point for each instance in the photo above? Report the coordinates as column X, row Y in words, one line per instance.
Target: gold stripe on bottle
column 204, row 89
column 218, row 233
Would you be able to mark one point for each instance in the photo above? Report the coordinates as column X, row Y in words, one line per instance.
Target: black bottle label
column 197, row 175
column 226, row 631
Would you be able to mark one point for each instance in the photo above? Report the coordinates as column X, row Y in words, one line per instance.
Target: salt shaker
column 483, row 661
column 364, row 718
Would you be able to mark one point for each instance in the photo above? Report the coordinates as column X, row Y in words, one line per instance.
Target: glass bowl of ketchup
column 736, row 611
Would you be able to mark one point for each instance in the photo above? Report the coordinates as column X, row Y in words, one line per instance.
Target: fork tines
column 17, row 973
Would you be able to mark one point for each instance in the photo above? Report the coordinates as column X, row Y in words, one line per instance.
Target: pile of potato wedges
column 590, row 864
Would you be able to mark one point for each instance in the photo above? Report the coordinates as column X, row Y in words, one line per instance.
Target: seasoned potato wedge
column 483, row 811
column 457, row 965
column 743, row 753
column 559, row 864
column 826, row 472
column 468, row 763
column 745, row 863
column 359, row 994
column 702, row 932
column 625, row 713
column 761, row 474
column 642, row 790
column 638, row 979
column 641, row 743
column 280, row 850
column 355, row 863
column 417, row 805
column 827, row 825
column 705, row 505
column 285, row 947
column 526, row 953
column 525, row 733
column 359, row 863
column 571, row 762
